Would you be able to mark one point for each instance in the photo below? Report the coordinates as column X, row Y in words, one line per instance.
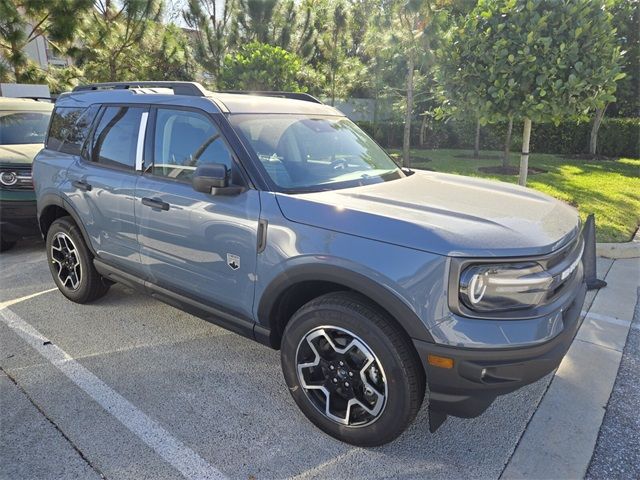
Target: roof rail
column 193, row 89
column 293, row 95
column 37, row 99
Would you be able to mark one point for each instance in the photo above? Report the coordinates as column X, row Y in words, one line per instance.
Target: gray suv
column 274, row 216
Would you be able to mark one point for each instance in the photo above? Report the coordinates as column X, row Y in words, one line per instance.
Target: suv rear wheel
column 71, row 263
column 352, row 370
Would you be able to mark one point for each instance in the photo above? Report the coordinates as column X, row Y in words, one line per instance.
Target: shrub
column 618, row 137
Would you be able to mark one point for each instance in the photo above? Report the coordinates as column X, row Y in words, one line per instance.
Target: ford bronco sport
column 281, row 220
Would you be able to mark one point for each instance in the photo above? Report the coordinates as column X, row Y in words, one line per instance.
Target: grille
column 23, row 174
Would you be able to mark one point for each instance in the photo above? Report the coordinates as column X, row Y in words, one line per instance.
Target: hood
column 19, row 154
column 441, row 213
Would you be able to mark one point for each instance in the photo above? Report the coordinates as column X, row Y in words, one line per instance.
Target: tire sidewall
column 398, row 404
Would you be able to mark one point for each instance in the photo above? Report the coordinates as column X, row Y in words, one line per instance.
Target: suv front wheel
column 351, row 369
column 71, row 263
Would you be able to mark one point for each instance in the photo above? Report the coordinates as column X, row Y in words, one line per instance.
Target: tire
column 71, row 263
column 6, row 244
column 390, row 368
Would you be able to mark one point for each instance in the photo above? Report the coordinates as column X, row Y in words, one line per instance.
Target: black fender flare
column 51, row 199
column 388, row 300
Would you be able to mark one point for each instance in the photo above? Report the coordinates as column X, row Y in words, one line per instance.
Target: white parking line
column 611, row 320
column 181, row 457
column 8, row 303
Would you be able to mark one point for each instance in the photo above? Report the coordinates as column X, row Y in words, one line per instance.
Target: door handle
column 82, row 185
column 155, row 203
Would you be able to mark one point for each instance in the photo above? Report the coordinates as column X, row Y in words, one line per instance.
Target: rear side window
column 69, row 128
column 116, row 137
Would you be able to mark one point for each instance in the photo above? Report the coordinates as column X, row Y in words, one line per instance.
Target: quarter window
column 69, row 128
column 185, row 140
column 116, row 137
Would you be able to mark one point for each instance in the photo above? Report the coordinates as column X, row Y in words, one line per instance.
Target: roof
column 193, row 94
column 24, row 104
column 243, row 103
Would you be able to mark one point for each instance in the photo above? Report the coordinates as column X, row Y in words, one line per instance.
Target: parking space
column 139, row 389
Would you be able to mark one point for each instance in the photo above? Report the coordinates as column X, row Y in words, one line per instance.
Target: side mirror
column 214, row 179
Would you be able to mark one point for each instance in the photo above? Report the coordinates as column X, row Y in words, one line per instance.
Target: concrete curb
column 615, row 251
column 561, row 436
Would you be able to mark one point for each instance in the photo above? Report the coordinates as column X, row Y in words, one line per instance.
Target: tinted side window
column 183, row 141
column 116, row 137
column 69, row 128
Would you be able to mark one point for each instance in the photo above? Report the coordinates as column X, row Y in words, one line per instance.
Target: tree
column 412, row 28
column 215, row 31
column 281, row 23
column 626, row 19
column 333, row 40
column 168, row 53
column 24, row 21
column 258, row 66
column 458, row 92
column 539, row 60
column 610, row 48
column 112, row 36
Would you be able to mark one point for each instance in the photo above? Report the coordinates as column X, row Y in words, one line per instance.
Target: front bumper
column 18, row 219
column 478, row 376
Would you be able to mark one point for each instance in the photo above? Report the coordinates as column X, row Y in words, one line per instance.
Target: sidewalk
column 560, row 438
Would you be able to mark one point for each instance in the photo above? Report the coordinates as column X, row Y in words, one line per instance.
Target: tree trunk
column 334, row 67
column 406, row 141
column 113, row 70
column 597, row 121
column 476, row 144
column 423, row 131
column 18, row 63
column 507, row 144
column 524, row 156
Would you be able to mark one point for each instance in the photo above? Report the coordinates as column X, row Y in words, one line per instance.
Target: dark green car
column 23, row 125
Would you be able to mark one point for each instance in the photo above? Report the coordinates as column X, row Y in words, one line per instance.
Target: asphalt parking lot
column 132, row 388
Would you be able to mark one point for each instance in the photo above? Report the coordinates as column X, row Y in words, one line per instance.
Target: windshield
column 307, row 153
column 18, row 128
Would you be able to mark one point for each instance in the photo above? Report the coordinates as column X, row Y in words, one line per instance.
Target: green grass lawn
column 610, row 189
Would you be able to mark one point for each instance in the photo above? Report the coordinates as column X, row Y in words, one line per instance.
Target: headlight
column 8, row 178
column 504, row 286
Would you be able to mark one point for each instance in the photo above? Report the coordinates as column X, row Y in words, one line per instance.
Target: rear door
column 104, row 180
column 193, row 243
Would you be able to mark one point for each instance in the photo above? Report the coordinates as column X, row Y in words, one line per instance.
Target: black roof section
column 261, row 93
column 193, row 89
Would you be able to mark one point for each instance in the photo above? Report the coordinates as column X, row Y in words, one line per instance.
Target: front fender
column 373, row 286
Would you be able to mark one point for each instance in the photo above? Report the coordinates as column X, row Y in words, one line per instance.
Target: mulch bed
column 414, row 160
column 586, row 156
column 485, row 156
column 510, row 170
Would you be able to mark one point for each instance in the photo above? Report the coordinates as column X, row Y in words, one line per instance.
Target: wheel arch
column 301, row 284
column 51, row 207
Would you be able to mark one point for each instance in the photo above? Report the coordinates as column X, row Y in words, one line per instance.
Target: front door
column 193, row 243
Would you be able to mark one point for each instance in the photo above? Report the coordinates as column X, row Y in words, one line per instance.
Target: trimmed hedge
column 618, row 137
